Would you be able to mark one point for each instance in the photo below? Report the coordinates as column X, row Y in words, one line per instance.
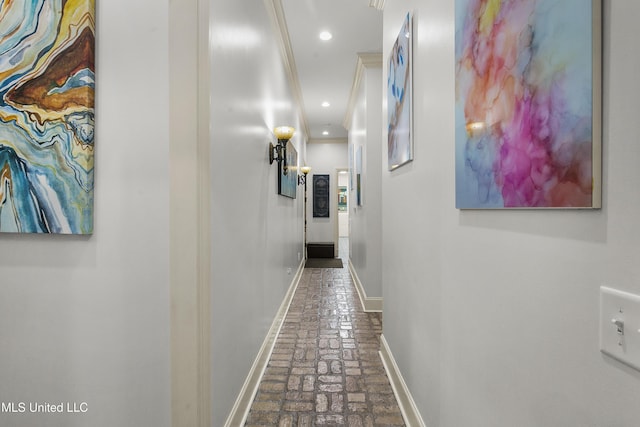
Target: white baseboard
column 369, row 304
column 241, row 408
column 410, row 413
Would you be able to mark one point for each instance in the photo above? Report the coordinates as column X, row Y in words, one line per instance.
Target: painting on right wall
column 528, row 113
column 400, row 98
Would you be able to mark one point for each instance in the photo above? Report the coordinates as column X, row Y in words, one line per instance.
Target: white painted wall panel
column 324, row 158
column 256, row 234
column 366, row 220
column 493, row 316
column 86, row 319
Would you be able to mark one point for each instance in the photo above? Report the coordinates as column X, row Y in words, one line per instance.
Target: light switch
column 620, row 326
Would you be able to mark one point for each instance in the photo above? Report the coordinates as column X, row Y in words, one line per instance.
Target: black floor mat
column 323, row 263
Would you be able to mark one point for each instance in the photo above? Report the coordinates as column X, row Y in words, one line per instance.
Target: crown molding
column 328, row 140
column 378, row 4
column 365, row 60
column 276, row 12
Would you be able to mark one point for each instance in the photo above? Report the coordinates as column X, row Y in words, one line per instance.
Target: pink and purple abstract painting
column 527, row 104
column 47, row 84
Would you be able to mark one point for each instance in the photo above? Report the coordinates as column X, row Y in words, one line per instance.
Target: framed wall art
column 400, row 98
column 528, row 104
column 321, row 196
column 47, row 86
column 288, row 182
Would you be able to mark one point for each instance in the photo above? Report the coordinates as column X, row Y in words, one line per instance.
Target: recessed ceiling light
column 326, row 104
column 326, row 35
column 325, row 133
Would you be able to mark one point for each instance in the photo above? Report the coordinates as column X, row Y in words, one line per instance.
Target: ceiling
column 326, row 69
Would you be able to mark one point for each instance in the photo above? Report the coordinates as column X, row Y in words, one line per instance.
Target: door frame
column 336, row 230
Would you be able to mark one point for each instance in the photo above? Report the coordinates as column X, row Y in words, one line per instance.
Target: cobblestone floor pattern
column 325, row 368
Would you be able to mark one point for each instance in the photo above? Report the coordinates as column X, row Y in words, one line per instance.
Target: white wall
column 256, row 239
column 87, row 319
column 493, row 316
column 365, row 243
column 324, row 157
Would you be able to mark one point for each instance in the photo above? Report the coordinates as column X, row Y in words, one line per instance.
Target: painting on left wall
column 47, row 85
column 288, row 181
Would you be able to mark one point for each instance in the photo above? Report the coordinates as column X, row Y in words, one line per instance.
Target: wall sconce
column 302, row 179
column 279, row 152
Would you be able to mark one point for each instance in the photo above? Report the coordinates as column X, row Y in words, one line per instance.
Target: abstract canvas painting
column 399, row 98
column 288, row 182
column 47, row 116
column 528, row 104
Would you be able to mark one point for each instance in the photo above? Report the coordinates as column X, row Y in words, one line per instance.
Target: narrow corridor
column 325, row 368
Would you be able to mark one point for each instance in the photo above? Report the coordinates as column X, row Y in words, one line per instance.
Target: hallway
column 325, row 368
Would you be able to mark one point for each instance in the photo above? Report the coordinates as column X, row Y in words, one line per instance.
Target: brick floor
column 325, row 369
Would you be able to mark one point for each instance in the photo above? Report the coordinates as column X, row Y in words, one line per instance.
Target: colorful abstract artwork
column 399, row 99
column 288, row 182
column 47, row 116
column 528, row 104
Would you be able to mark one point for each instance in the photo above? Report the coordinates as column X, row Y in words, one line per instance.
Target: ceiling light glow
column 325, row 104
column 236, row 37
column 325, row 133
column 325, row 36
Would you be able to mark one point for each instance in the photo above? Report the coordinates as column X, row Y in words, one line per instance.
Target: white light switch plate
column 620, row 310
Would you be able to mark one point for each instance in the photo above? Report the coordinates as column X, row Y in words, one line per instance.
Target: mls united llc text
column 44, row 408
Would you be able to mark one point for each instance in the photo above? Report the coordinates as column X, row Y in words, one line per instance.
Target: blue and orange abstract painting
column 288, row 180
column 400, row 98
column 527, row 104
column 47, row 84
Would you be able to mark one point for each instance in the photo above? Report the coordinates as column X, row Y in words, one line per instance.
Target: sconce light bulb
column 284, row 132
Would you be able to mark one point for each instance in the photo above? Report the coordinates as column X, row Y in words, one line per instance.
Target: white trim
column 205, row 400
column 328, row 141
column 240, row 411
column 378, row 4
column 369, row 304
column 336, row 212
column 596, row 114
column 365, row 60
column 276, row 12
column 410, row 413
column 189, row 214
